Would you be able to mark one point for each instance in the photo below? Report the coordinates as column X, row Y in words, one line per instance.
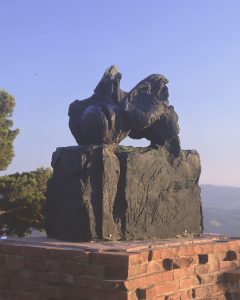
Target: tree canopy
column 7, row 136
column 22, row 201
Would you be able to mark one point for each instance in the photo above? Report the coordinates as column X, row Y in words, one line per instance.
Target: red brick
column 186, row 251
column 2, row 259
column 220, row 247
column 6, row 271
column 159, row 277
column 187, row 294
column 25, row 274
column 42, row 264
column 228, row 265
column 75, row 255
column 130, row 296
column 147, row 293
column 82, row 257
column 107, row 284
column 195, row 259
column 205, row 291
column 220, row 255
column 11, row 248
column 5, row 294
column 213, row 267
column 136, row 283
column 25, row 285
column 132, row 270
column 117, row 296
column 123, row 272
column 35, row 251
column 188, row 283
column 207, row 268
column 201, row 269
column 154, row 266
column 25, row 296
column 73, row 268
column 212, row 258
column 84, row 269
column 87, row 281
column 93, row 270
column 211, row 278
column 16, row 261
column 118, row 272
column 108, row 258
column 182, row 262
column 234, row 245
column 91, row 294
column 60, row 278
column 52, row 291
column 183, row 273
column 59, row 253
column 161, row 253
column 34, row 263
column 167, row 287
column 138, row 258
column 137, row 270
column 174, row 297
column 75, row 291
column 133, row 284
column 203, row 248
column 4, row 283
column 41, row 276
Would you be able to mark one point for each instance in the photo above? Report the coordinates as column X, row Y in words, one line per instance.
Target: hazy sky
column 55, row 51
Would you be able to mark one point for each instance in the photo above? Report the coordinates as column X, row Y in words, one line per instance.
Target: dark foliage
column 22, row 201
column 7, row 135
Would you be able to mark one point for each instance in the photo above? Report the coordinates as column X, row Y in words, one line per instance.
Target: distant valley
column 221, row 209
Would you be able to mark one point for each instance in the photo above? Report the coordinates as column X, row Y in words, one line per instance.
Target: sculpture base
column 111, row 192
column 41, row 268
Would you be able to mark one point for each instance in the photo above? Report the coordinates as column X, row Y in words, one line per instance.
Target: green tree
column 7, row 136
column 22, row 201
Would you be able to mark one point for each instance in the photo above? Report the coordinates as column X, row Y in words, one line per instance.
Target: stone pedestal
column 110, row 192
column 41, row 269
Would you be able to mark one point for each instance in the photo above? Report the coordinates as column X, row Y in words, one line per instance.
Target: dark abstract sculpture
column 111, row 114
column 101, row 190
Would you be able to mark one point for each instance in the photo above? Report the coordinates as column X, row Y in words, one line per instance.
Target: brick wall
column 41, row 269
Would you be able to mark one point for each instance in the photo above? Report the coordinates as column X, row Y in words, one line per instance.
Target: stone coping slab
column 118, row 246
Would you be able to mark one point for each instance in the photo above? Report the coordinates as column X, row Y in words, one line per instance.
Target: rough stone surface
column 112, row 192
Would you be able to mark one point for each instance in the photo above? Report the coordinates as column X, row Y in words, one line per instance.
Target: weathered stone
column 112, row 192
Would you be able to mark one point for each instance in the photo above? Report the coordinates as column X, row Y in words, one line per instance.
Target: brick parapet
column 45, row 269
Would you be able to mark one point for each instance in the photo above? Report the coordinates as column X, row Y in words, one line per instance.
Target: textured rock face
column 111, row 192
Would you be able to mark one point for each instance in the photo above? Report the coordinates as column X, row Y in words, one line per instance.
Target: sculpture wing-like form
column 110, row 114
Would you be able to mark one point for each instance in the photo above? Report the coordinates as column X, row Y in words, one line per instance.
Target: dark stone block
column 112, row 192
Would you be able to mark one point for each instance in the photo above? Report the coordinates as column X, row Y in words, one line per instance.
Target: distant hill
column 221, row 209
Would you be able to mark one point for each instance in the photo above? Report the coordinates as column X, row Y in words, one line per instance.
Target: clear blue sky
column 54, row 51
